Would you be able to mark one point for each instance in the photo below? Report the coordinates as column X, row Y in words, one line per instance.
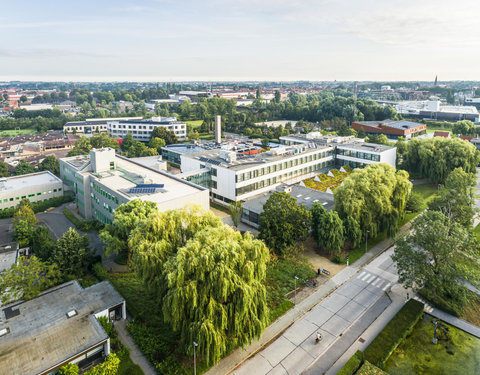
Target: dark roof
column 441, row 134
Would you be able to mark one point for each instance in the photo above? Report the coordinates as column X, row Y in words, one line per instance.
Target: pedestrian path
column 428, row 308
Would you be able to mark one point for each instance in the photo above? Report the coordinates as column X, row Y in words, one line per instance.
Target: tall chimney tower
column 218, row 129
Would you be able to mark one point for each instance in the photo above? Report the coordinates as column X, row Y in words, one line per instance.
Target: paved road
column 334, row 318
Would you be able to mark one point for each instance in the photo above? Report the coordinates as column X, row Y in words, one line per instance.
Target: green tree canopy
column 437, row 256
column 167, row 135
column 235, row 209
column 464, row 127
column 24, row 167
column 72, row 253
column 42, row 243
column 329, row 229
column 157, row 144
column 82, row 147
column 352, row 231
column 435, row 158
column 24, row 222
column 375, row 197
column 126, row 218
column 380, row 139
column 456, row 197
column 283, row 222
column 50, row 163
column 4, row 172
column 103, row 140
column 26, row 279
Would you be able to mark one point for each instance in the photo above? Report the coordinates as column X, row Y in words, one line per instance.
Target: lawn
column 194, row 124
column 12, row 133
column 427, row 192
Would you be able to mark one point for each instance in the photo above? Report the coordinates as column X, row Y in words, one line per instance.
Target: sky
column 214, row 40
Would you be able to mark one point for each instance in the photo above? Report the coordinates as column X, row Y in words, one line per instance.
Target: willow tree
column 375, row 197
column 216, row 292
column 208, row 278
column 127, row 217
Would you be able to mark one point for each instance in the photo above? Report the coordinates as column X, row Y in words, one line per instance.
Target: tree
column 69, row 369
column 415, row 202
column 26, row 279
column 127, row 142
column 361, row 133
column 4, row 172
column 278, row 96
column 436, row 157
column 72, row 253
column 103, row 140
column 50, row 163
column 167, row 135
column 216, row 291
column 42, row 243
column 23, row 99
column 464, row 127
column 157, row 144
column 24, row 222
column 380, row 139
column 352, row 231
column 283, row 222
column 108, row 367
column 375, row 197
column 456, row 198
column 329, row 229
column 126, row 219
column 235, row 209
column 82, row 147
column 436, row 257
column 24, row 167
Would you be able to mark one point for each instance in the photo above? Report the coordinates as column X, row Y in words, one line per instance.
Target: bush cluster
column 38, row 206
column 83, row 225
column 353, row 364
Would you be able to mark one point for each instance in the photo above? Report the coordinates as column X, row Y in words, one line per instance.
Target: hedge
column 394, row 333
column 39, row 206
column 353, row 364
column 369, row 369
column 83, row 225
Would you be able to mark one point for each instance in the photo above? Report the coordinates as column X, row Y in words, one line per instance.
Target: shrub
column 369, row 369
column 99, row 271
column 69, row 369
column 38, row 206
column 449, row 305
column 394, row 333
column 414, row 203
column 353, row 364
column 109, row 367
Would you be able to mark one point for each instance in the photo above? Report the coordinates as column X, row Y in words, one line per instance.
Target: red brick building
column 393, row 129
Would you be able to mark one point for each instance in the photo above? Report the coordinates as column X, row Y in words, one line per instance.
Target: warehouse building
column 34, row 186
column 58, row 327
column 393, row 129
column 102, row 181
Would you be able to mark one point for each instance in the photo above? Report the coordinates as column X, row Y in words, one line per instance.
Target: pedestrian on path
column 319, row 337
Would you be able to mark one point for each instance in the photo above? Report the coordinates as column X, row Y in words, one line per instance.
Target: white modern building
column 58, row 327
column 233, row 176
column 141, row 130
column 34, row 186
column 93, row 125
column 103, row 180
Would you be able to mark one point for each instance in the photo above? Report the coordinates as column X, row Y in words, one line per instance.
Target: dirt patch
column 218, row 213
column 319, row 260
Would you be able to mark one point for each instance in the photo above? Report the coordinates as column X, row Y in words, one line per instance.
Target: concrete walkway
column 275, row 330
column 135, row 354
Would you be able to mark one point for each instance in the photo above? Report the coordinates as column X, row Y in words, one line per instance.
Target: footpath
column 276, row 329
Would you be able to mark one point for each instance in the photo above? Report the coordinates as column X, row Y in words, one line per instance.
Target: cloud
column 36, row 53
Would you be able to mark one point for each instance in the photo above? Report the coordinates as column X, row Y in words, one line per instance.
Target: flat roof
column 8, row 255
column 247, row 161
column 367, row 147
column 304, row 196
column 396, row 124
column 41, row 335
column 27, row 180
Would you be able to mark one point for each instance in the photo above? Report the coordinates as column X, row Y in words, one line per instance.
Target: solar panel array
column 150, row 185
column 211, row 161
column 137, row 190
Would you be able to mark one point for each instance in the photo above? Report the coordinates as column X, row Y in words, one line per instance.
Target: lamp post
column 295, row 298
column 435, row 341
column 194, row 358
column 366, row 240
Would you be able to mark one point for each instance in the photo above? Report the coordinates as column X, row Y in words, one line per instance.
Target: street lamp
column 295, row 298
column 366, row 234
column 194, row 358
column 435, row 341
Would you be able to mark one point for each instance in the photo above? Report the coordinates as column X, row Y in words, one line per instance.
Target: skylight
column 71, row 313
column 4, row 331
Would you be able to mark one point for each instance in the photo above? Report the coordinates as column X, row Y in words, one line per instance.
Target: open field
column 12, row 133
column 194, row 124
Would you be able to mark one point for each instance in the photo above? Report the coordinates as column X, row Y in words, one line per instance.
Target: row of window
column 104, row 193
column 284, row 177
column 359, row 155
column 150, row 127
column 6, row 200
column 281, row 166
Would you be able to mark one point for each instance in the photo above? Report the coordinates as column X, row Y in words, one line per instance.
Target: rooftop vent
column 71, row 313
column 4, row 331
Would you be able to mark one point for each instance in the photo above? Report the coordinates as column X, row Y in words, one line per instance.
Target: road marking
column 359, row 276
column 371, row 279
column 376, row 281
column 365, row 277
column 386, row 287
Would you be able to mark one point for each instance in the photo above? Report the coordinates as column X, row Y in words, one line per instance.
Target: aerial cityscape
column 257, row 187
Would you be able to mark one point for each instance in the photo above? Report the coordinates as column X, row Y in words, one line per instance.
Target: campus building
column 393, row 129
column 141, row 130
column 58, row 327
column 92, row 125
column 34, row 186
column 253, row 208
column 102, row 181
column 232, row 175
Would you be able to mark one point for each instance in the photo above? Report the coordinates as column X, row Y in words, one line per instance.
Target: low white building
column 92, row 125
column 102, row 181
column 141, row 130
column 34, row 186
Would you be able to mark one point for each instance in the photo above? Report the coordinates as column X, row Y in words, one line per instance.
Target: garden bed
column 325, row 182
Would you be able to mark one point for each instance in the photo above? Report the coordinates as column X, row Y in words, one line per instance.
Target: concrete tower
column 218, row 129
